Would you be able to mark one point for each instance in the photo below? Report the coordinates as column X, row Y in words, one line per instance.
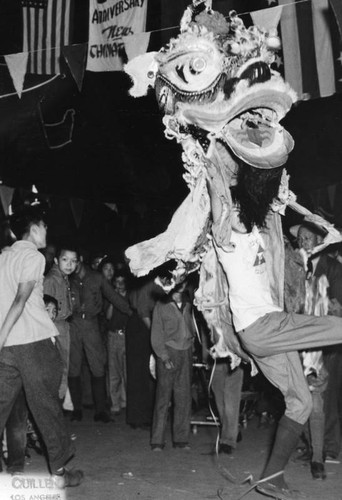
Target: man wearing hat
column 318, row 265
column 309, row 236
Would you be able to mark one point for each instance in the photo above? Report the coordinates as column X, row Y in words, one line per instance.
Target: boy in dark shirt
column 56, row 284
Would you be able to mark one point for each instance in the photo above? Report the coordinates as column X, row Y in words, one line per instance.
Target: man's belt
column 119, row 331
column 83, row 316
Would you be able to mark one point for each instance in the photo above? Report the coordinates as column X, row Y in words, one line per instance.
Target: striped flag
column 336, row 6
column 47, row 28
column 311, row 48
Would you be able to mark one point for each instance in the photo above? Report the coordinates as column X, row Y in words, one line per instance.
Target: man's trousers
column 37, row 368
column 274, row 341
column 176, row 382
column 227, row 387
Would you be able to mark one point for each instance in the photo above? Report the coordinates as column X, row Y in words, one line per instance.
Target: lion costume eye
column 197, row 65
column 194, row 67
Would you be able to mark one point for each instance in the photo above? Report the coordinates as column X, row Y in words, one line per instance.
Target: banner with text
column 109, row 21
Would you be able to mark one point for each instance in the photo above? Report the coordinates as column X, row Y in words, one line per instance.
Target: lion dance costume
column 223, row 103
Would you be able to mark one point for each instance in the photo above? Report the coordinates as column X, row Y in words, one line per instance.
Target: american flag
column 311, row 46
column 46, row 29
column 310, row 58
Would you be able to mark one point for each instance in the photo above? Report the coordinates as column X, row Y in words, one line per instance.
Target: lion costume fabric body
column 223, row 103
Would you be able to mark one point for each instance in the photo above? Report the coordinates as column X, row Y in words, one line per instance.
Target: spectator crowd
column 79, row 331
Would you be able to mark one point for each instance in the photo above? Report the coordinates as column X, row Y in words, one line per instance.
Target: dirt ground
column 119, row 465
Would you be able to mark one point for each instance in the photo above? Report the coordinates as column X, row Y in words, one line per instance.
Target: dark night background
column 118, row 152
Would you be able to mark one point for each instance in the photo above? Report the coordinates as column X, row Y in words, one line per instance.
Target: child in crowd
column 51, row 305
column 96, row 258
column 172, row 336
column 106, row 267
column 56, row 284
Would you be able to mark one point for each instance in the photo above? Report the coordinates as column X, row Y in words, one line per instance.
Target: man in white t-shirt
column 29, row 358
column 271, row 336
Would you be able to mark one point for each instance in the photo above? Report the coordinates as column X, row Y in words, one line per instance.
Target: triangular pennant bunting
column 267, row 18
column 17, row 64
column 331, row 194
column 135, row 45
column 112, row 206
column 77, row 205
column 6, row 195
column 76, row 56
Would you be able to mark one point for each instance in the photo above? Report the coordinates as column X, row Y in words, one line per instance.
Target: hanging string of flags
column 326, row 201
column 116, row 30
column 77, row 205
column 34, row 87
